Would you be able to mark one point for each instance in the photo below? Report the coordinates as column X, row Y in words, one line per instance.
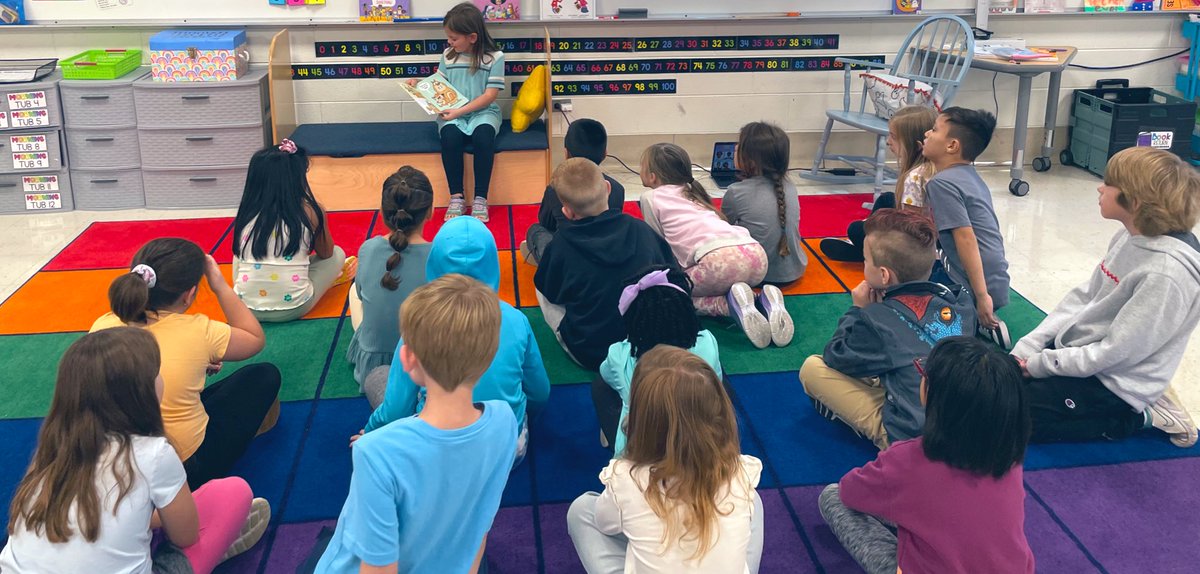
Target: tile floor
column 1053, row 238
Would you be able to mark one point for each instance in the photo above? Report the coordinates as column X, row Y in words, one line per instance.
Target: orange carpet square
column 816, row 279
column 57, row 302
column 851, row 274
column 508, row 285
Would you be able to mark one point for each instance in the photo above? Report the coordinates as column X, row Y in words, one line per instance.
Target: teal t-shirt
column 422, row 496
column 471, row 85
column 375, row 340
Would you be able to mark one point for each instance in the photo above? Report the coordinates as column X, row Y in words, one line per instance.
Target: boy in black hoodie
column 581, row 274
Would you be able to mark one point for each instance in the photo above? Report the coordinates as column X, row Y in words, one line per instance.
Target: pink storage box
column 198, row 55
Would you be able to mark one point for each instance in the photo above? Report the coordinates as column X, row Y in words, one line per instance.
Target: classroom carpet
column 1090, row 507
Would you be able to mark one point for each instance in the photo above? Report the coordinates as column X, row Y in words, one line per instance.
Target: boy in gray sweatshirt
column 1101, row 363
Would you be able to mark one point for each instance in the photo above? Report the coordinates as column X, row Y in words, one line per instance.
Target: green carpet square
column 339, row 381
column 1020, row 315
column 561, row 369
column 30, row 367
column 815, row 316
column 299, row 349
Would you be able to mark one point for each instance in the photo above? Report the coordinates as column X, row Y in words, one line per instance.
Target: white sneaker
column 782, row 327
column 1167, row 415
column 252, row 530
column 742, row 309
column 479, row 209
column 456, row 207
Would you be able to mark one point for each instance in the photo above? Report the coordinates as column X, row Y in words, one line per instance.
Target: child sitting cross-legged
column 681, row 497
column 657, row 309
column 1101, row 362
column 515, row 375
column 866, row 376
column 426, row 488
column 952, row 500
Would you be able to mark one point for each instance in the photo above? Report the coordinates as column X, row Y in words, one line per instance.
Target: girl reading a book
column 474, row 66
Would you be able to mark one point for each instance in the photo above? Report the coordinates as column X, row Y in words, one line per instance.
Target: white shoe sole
column 782, row 327
column 1181, row 429
column 252, row 530
column 756, row 327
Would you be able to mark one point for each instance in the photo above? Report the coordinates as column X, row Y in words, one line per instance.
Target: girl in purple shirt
column 955, row 495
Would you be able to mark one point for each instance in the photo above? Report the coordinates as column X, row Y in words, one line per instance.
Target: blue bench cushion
column 359, row 139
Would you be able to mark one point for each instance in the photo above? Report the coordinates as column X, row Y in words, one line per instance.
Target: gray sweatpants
column 865, row 537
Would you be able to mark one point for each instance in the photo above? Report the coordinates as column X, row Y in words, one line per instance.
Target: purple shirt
column 949, row 520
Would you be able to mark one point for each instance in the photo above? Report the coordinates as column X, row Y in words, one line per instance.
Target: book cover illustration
column 1044, row 6
column 568, row 9
column 500, row 9
column 435, row 94
column 384, row 10
column 1181, row 5
column 906, row 6
column 1103, row 5
column 1002, row 6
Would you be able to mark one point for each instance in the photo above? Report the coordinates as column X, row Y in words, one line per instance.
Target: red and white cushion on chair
column 890, row 93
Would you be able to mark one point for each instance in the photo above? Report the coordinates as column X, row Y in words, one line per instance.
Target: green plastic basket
column 101, row 64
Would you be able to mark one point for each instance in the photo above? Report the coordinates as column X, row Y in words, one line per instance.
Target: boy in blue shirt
column 425, row 489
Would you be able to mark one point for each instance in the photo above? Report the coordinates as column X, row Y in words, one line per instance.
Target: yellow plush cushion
column 531, row 100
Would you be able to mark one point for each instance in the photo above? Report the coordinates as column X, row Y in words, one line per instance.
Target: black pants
column 856, row 232
column 1070, row 409
column 236, row 407
column 454, row 145
column 536, row 239
column 608, row 409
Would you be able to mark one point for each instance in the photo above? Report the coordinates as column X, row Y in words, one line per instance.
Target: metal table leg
column 1043, row 162
column 1020, row 131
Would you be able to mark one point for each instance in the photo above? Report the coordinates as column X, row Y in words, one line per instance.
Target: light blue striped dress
column 472, row 85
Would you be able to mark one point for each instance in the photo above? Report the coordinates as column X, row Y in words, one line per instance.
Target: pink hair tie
column 287, row 145
column 147, row 274
column 652, row 279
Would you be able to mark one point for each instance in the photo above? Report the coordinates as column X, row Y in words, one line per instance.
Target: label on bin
column 43, row 201
column 33, row 160
column 26, row 100
column 1156, row 140
column 29, row 118
column 35, row 142
column 36, row 183
column 3, row 119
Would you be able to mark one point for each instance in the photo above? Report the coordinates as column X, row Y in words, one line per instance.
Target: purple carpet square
column 784, row 549
column 1053, row 549
column 292, row 545
column 558, row 550
column 512, row 544
column 1134, row 517
column 825, row 545
column 246, row 562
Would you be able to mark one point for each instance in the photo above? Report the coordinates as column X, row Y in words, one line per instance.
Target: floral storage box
column 198, row 55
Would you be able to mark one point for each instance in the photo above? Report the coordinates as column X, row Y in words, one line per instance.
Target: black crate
column 1105, row 121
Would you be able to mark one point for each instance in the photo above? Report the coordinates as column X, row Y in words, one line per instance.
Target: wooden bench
column 349, row 161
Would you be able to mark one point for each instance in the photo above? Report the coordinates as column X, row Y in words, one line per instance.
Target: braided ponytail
column 405, row 206
column 777, row 179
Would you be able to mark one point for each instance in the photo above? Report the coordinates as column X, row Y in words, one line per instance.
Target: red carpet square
column 828, row 215
column 499, row 224
column 349, row 229
column 112, row 244
column 522, row 217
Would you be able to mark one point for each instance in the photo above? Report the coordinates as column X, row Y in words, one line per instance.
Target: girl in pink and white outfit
column 722, row 260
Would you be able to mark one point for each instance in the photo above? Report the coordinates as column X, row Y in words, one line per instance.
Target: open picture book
column 435, row 94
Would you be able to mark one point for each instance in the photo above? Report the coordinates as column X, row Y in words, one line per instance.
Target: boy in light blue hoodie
column 516, row 375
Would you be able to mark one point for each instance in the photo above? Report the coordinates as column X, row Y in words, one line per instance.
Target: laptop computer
column 723, row 171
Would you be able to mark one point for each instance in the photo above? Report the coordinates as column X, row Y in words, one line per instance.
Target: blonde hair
column 580, row 186
column 672, row 165
column 910, row 124
column 1157, row 187
column 452, row 325
column 681, row 427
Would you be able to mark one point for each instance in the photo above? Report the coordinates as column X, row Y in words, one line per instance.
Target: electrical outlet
column 563, row 105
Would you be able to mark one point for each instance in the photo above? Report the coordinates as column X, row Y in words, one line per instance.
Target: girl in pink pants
column 103, row 476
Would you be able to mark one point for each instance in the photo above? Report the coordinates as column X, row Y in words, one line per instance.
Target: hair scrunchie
column 651, row 279
column 147, row 274
column 287, row 145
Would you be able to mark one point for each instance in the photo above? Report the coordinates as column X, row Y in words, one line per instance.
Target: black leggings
column 236, row 407
column 856, row 232
column 454, row 145
column 608, row 409
column 1071, row 409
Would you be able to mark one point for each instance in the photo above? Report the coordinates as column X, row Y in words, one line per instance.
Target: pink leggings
column 719, row 269
column 223, row 505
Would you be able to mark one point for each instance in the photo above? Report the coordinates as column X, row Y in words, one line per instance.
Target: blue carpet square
column 269, row 459
column 323, row 476
column 16, row 450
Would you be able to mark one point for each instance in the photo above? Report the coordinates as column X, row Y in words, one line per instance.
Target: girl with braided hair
column 390, row 267
column 722, row 260
column 657, row 309
column 765, row 202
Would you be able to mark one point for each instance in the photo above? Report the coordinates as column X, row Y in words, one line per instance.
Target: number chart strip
column 589, row 67
column 609, row 88
column 388, row 48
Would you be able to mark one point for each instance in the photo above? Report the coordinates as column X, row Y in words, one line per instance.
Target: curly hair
column 662, row 315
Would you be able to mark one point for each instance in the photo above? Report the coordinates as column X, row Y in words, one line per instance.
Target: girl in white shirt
column 104, row 476
column 681, row 498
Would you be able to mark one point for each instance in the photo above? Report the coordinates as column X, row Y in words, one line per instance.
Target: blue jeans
column 604, row 554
